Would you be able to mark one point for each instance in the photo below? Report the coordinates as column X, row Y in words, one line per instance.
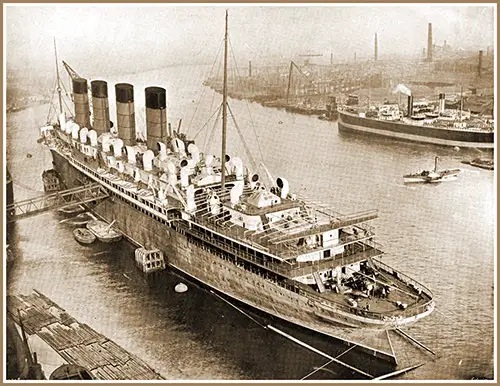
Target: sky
column 134, row 37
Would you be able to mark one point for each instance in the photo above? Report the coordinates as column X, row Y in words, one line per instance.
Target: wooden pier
column 76, row 342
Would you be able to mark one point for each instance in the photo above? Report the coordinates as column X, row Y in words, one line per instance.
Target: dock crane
column 292, row 65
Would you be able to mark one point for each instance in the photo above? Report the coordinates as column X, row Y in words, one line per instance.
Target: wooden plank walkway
column 76, row 342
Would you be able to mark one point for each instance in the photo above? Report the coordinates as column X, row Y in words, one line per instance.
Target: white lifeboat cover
column 106, row 141
column 147, row 160
column 263, row 199
column 83, row 135
column 74, row 131
column 93, row 137
column 117, row 146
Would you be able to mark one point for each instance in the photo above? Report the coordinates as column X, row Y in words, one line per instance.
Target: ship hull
column 415, row 133
column 210, row 266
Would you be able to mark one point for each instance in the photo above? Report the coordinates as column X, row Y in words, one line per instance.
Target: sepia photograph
column 249, row 192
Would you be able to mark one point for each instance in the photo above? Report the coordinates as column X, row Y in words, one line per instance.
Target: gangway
column 62, row 199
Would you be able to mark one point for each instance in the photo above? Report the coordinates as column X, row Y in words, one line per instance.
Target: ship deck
column 380, row 306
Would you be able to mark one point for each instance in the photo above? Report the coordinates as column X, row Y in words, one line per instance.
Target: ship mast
column 224, row 113
column 58, row 80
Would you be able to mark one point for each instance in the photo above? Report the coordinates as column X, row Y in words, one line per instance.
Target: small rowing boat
column 74, row 209
column 84, row 236
column 79, row 220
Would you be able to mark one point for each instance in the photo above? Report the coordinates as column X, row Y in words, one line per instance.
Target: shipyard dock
column 75, row 342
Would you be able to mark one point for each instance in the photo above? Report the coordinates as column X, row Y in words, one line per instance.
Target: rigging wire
column 245, row 146
column 248, row 108
column 216, row 76
column 209, row 138
column 204, row 89
column 51, row 103
column 205, row 124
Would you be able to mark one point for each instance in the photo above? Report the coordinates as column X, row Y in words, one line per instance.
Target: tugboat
column 432, row 176
column 218, row 223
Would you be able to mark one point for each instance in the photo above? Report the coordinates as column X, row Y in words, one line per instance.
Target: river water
column 443, row 235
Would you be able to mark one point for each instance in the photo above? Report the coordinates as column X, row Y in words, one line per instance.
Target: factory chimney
column 429, row 43
column 249, row 68
column 331, row 59
column 376, row 48
column 480, row 64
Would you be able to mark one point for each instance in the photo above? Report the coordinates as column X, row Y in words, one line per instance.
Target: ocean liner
column 218, row 223
column 440, row 127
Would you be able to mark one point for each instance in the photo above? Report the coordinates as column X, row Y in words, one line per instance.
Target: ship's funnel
column 81, row 101
column 410, row 105
column 441, row 102
column 156, row 116
column 100, row 106
column 125, row 115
